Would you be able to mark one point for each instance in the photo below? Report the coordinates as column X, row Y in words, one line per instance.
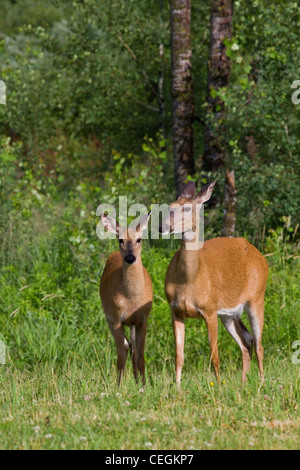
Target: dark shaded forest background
column 89, row 102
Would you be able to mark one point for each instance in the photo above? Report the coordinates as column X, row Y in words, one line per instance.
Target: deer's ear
column 188, row 191
column 143, row 222
column 110, row 224
column 205, row 193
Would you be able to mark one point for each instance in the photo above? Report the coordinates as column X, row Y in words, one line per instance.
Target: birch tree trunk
column 218, row 77
column 182, row 92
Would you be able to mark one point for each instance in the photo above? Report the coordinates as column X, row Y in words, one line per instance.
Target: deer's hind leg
column 242, row 336
column 255, row 311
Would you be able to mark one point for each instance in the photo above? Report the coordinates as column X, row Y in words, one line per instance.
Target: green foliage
column 83, row 85
column 140, row 177
column 264, row 53
column 15, row 13
column 91, row 73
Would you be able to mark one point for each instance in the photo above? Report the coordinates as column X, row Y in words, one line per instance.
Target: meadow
column 58, row 386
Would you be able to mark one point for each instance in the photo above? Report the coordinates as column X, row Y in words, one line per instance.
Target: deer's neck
column 189, row 262
column 133, row 278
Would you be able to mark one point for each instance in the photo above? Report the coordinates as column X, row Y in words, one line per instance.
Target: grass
column 58, row 387
column 76, row 408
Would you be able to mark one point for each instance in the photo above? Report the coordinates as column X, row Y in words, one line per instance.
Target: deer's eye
column 138, row 240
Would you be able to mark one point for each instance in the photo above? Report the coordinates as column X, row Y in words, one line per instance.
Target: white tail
column 126, row 294
column 221, row 278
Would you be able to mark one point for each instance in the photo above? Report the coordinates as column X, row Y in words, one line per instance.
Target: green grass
column 58, row 388
column 80, row 408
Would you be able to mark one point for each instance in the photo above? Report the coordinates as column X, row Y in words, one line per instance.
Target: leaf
column 7, row 157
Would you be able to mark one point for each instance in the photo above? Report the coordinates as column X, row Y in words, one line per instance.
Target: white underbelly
column 232, row 312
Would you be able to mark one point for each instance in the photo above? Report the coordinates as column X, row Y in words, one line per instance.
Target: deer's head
column 183, row 213
column 130, row 239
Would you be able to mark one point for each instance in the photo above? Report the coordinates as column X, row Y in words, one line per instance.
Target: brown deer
column 219, row 278
column 126, row 294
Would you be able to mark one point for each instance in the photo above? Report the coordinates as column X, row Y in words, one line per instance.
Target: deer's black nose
column 130, row 258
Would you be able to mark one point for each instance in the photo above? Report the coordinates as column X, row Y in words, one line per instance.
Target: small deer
column 126, row 294
column 219, row 278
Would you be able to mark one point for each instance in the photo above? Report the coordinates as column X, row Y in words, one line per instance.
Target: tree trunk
column 230, row 203
column 218, row 77
column 162, row 113
column 182, row 92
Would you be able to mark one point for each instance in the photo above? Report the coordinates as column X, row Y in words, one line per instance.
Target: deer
column 218, row 278
column 126, row 294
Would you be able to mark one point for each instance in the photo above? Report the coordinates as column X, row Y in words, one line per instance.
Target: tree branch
column 148, row 106
column 147, row 78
